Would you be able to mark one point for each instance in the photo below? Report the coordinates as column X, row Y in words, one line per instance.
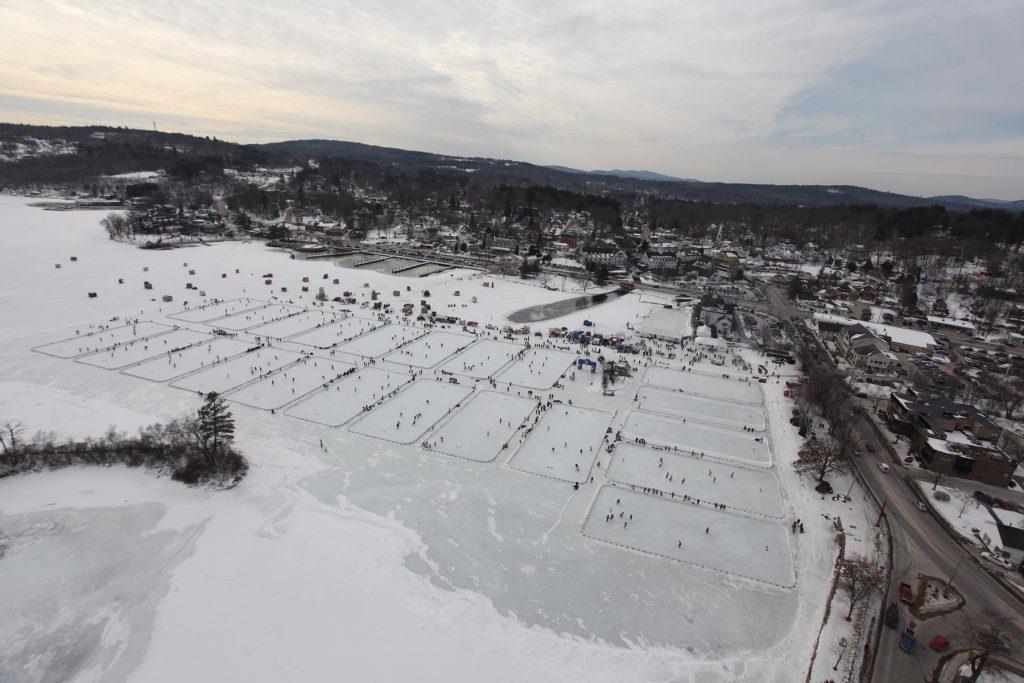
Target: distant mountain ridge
column 106, row 150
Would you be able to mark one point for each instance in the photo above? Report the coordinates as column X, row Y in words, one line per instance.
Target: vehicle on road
column 892, row 615
column 870, row 447
column 908, row 639
column 939, row 643
column 920, row 506
column 996, row 559
column 884, row 467
column 857, row 451
column 906, row 594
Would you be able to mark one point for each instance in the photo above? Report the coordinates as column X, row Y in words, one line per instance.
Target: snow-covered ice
column 713, row 442
column 337, row 332
column 564, row 443
column 301, row 321
column 349, row 396
column 480, row 430
column 428, row 351
column 290, row 383
column 483, row 359
column 236, row 371
column 748, row 547
column 412, row 412
column 245, row 319
column 139, row 350
column 219, row 309
column 102, row 338
column 382, row 340
column 539, row 368
column 170, row 365
column 723, row 388
column 684, row 476
column 700, row 408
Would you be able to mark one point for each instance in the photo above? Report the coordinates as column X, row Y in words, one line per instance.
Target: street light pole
column 938, row 476
column 956, row 569
column 842, row 643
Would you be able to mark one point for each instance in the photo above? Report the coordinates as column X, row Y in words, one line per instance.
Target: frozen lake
column 713, row 442
column 539, row 368
column 177, row 363
column 700, row 408
column 131, row 352
column 301, row 321
column 231, row 373
column 348, row 397
column 428, row 351
column 564, row 444
column 406, row 417
column 723, row 388
column 483, row 359
column 221, row 309
column 102, row 337
column 480, row 430
column 382, row 340
column 290, row 383
column 336, row 332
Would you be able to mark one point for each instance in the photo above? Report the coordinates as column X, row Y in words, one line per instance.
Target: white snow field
column 243, row 320
column 290, row 383
column 336, row 332
column 564, row 443
column 301, row 321
column 483, row 359
column 349, row 396
column 234, row 372
column 539, row 368
column 382, row 340
column 168, row 366
column 428, row 351
column 700, row 408
column 726, row 389
column 484, row 425
column 683, row 476
column 749, row 547
column 139, row 350
column 412, row 412
column 219, row 309
column 712, row 441
column 100, row 337
column 354, row 555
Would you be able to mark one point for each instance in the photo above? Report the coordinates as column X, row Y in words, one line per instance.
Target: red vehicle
column 939, row 643
column 871, row 448
column 906, row 594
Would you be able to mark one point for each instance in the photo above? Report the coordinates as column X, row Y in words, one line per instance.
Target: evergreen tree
column 216, row 427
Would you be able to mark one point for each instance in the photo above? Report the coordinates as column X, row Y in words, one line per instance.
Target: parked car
column 920, row 506
column 996, row 559
column 856, row 450
column 983, row 498
column 884, row 467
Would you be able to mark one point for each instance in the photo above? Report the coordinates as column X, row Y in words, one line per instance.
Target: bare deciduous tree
column 10, row 439
column 986, row 634
column 859, row 576
column 821, row 457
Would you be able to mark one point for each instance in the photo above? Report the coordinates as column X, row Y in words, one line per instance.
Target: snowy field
column 726, row 389
column 104, row 338
column 748, row 547
column 304, row 321
column 231, row 373
column 683, row 476
column 348, row 396
column 290, row 383
column 539, row 368
column 382, row 340
column 664, row 323
column 336, row 332
column 480, row 430
column 374, row 557
column 177, row 363
column 700, row 408
column 483, row 359
column 564, row 444
column 712, row 442
column 412, row 412
column 428, row 351
column 243, row 320
column 221, row 309
column 139, row 350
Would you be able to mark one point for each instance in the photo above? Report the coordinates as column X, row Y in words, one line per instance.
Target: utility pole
column 938, row 476
column 956, row 569
column 881, row 513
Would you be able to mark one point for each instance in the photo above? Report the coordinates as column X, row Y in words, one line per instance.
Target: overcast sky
column 922, row 97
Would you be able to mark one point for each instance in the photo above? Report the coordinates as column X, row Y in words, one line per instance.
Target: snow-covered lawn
column 336, row 332
column 382, row 340
column 483, row 359
column 564, row 443
column 965, row 514
column 700, row 408
column 290, row 383
column 236, row 371
column 702, row 440
column 252, row 317
column 484, row 425
column 99, row 337
column 177, row 363
column 139, row 350
column 682, row 476
column 750, row 547
column 723, row 388
column 220, row 309
column 406, row 417
column 348, row 396
column 428, row 351
column 302, row 321
column 539, row 368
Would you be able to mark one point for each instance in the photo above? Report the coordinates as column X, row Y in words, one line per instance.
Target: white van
column 884, row 467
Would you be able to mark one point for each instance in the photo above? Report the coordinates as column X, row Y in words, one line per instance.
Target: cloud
column 727, row 90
